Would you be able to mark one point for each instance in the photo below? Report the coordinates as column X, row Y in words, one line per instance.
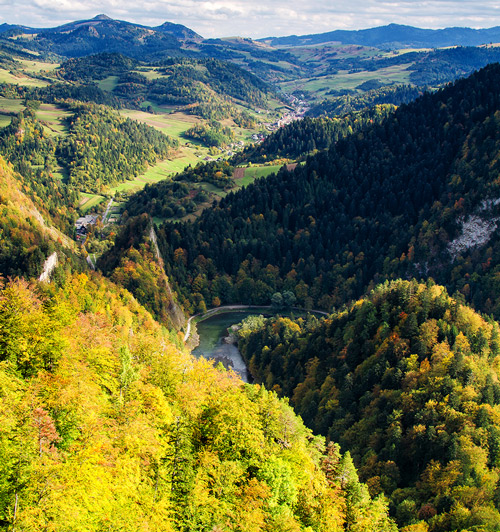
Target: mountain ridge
column 394, row 36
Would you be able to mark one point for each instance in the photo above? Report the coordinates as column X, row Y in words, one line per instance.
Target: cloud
column 259, row 18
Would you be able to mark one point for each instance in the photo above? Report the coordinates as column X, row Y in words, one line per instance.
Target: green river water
column 213, row 330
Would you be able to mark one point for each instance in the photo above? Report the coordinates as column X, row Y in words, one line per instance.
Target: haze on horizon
column 259, row 18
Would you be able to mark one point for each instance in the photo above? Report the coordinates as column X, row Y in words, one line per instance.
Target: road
column 90, row 263
column 107, row 211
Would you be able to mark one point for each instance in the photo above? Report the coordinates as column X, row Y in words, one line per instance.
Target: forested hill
column 381, row 203
column 348, row 103
column 207, row 87
column 301, row 137
column 26, row 236
column 106, row 424
column 102, row 33
column 407, row 380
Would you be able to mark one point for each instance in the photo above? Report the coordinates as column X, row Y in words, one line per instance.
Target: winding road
column 107, row 211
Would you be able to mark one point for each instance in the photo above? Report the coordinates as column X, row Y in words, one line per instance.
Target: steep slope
column 406, row 379
column 26, row 239
column 136, row 264
column 107, row 424
column 381, row 203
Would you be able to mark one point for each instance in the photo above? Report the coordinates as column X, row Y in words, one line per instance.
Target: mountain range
column 394, row 36
column 103, row 33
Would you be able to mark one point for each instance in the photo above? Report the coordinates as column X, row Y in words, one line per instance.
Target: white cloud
column 259, row 18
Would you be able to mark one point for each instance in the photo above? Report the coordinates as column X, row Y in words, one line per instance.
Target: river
column 214, row 329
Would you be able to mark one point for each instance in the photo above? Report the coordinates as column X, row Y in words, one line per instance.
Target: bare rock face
column 48, row 267
column 176, row 315
column 477, row 229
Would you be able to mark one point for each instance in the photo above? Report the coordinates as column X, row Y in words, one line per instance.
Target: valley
column 332, row 199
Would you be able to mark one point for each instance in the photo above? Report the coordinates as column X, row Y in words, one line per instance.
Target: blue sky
column 259, row 18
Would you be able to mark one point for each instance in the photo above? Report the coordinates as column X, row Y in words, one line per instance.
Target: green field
column 252, row 173
column 88, row 201
column 11, row 105
column 108, row 84
column 349, row 80
column 53, row 118
column 150, row 74
column 173, row 124
column 162, row 170
column 7, row 107
column 19, row 78
column 4, row 120
column 35, row 67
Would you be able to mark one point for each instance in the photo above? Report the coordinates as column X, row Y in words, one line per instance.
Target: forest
column 108, row 424
column 100, row 149
column 342, row 104
column 381, row 416
column 208, row 86
column 166, row 198
column 406, row 379
column 378, row 204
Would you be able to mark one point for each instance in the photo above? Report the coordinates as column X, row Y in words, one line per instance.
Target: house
column 81, row 225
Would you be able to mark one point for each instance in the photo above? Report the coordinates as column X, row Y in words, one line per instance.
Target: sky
column 259, row 18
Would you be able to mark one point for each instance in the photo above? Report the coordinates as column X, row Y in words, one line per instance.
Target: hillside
column 406, row 379
column 139, row 268
column 27, row 238
column 107, row 423
column 207, row 87
column 96, row 148
column 381, row 203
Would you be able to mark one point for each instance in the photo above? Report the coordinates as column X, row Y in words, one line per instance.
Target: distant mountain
column 179, row 31
column 102, row 33
column 16, row 29
column 394, row 36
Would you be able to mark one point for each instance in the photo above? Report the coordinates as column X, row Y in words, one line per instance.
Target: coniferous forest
column 379, row 204
column 363, row 222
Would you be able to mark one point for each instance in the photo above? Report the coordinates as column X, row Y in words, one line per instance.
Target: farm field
column 150, row 73
column 53, row 118
column 349, row 80
column 108, row 84
column 88, row 201
column 243, row 176
column 173, row 124
column 9, row 106
column 20, row 78
column 162, row 170
column 35, row 67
